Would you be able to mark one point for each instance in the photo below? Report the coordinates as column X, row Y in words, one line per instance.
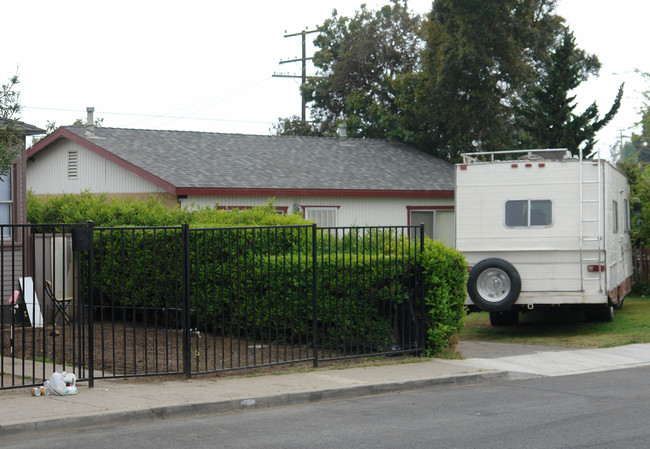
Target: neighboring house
column 13, row 199
column 12, row 185
column 333, row 181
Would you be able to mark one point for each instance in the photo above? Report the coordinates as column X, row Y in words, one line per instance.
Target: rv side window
column 525, row 213
column 626, row 215
column 615, row 216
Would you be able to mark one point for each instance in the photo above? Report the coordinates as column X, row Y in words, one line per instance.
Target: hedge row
column 258, row 280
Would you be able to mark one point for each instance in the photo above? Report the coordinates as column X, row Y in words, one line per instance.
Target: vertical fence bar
column 314, row 293
column 185, row 294
column 420, row 280
column 91, row 310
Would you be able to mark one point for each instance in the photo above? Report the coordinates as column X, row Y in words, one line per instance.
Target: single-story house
column 332, row 181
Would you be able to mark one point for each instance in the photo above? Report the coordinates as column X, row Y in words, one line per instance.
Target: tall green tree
column 547, row 116
column 479, row 58
column 457, row 81
column 9, row 137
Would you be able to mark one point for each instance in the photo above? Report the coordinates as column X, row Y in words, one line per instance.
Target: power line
column 132, row 114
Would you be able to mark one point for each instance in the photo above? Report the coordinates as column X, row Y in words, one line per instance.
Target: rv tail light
column 515, row 165
column 595, row 268
column 529, row 165
column 542, row 164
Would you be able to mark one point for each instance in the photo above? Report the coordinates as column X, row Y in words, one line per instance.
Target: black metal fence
column 124, row 302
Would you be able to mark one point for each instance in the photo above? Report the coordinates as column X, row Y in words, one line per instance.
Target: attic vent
column 73, row 164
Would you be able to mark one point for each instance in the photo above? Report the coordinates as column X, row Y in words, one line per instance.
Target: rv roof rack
column 491, row 156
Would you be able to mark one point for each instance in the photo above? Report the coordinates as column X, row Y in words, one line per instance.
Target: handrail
column 469, row 158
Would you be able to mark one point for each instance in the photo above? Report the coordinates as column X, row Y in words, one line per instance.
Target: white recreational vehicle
column 542, row 228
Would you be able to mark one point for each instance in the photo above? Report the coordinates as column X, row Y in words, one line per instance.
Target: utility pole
column 304, row 60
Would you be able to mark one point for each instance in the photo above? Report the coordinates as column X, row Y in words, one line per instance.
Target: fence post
column 91, row 305
column 421, row 280
column 314, row 257
column 82, row 243
column 185, row 294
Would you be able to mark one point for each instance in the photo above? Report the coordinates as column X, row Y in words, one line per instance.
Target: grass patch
column 567, row 328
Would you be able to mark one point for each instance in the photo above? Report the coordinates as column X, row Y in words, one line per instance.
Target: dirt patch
column 126, row 350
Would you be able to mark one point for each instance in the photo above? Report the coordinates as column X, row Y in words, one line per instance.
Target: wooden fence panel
column 641, row 258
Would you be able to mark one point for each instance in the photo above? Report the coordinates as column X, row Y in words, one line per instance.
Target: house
column 12, row 185
column 13, row 210
column 332, row 181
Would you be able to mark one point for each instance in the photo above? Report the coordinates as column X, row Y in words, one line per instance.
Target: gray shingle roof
column 189, row 159
column 24, row 128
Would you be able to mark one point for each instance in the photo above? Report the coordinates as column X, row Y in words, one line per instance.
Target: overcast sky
column 208, row 65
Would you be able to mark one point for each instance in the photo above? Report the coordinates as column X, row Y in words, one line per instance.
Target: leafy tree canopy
column 547, row 117
column 472, row 76
column 359, row 61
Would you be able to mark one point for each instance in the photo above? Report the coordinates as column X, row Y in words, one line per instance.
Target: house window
column 6, row 203
column 73, row 165
column 438, row 223
column 529, row 213
column 324, row 217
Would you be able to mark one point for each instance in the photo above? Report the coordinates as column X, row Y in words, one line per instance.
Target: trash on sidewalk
column 40, row 391
column 60, row 384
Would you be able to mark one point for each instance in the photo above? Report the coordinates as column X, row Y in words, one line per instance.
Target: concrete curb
column 206, row 408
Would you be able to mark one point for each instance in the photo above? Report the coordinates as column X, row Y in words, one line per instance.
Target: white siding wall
column 48, row 173
column 483, row 189
column 352, row 211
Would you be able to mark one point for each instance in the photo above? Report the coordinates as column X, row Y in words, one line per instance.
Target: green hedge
column 445, row 275
column 259, row 280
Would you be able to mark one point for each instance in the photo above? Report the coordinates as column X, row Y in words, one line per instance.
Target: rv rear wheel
column 604, row 313
column 493, row 285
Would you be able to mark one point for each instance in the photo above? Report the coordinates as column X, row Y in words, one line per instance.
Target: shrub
column 445, row 276
column 258, row 279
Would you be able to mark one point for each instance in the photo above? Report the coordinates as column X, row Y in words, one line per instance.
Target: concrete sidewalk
column 115, row 402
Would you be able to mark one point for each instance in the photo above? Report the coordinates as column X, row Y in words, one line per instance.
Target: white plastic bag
column 61, row 384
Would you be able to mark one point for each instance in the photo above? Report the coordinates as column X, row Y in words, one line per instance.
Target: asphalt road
column 598, row 410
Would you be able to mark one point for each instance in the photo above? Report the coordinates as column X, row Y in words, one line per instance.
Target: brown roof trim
column 63, row 133
column 315, row 192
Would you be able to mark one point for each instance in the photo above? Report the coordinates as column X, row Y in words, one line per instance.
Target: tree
column 641, row 141
column 295, row 126
column 634, row 163
column 456, row 82
column 9, row 135
column 547, row 115
column 359, row 62
column 479, row 58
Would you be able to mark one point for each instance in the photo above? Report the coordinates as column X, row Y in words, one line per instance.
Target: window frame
column 433, row 210
column 11, row 202
column 529, row 213
column 307, row 209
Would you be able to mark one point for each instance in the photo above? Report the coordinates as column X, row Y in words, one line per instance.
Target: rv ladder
column 587, row 237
